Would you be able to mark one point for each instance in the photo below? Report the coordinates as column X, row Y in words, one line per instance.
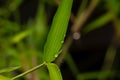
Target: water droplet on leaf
column 62, row 42
column 56, row 55
column 64, row 35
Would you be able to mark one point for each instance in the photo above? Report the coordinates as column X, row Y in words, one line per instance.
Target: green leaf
column 93, row 75
column 14, row 4
column 17, row 38
column 58, row 30
column 4, row 78
column 9, row 69
column 39, row 35
column 114, row 5
column 98, row 23
column 54, row 71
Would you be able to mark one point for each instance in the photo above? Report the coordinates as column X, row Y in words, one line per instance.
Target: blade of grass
column 27, row 72
column 94, row 75
column 39, row 35
column 17, row 38
column 98, row 23
column 9, row 69
column 4, row 78
column 81, row 19
column 113, row 5
column 82, row 7
column 54, row 71
column 58, row 30
column 14, row 5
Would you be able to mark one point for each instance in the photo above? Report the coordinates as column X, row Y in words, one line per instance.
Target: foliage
column 32, row 46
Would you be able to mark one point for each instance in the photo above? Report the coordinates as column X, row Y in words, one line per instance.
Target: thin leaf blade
column 54, row 71
column 9, row 69
column 4, row 78
column 98, row 23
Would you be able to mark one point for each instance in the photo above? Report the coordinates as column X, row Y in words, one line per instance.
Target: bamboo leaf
column 54, row 71
column 113, row 5
column 4, row 78
column 58, row 30
column 17, row 38
column 98, row 23
column 9, row 69
column 93, row 75
column 14, row 4
column 40, row 27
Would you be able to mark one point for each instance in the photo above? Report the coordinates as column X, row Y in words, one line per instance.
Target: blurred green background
column 91, row 50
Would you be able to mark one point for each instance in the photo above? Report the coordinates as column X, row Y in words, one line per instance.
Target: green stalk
column 27, row 72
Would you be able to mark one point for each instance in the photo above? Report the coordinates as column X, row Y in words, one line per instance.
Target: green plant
column 54, row 41
column 4, row 78
column 38, row 53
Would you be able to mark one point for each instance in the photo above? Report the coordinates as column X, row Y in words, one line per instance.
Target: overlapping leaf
column 54, row 71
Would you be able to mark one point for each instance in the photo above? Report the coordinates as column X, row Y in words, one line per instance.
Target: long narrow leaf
column 9, row 69
column 98, row 23
column 58, row 30
column 39, row 35
column 17, row 38
column 113, row 5
column 54, row 71
column 94, row 75
column 3, row 78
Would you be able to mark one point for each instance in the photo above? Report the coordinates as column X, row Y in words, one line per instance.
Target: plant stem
column 27, row 72
column 82, row 18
